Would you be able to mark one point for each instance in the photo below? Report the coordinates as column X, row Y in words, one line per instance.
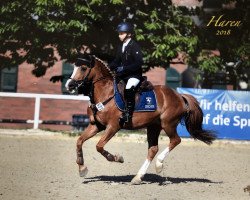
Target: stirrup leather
column 130, row 104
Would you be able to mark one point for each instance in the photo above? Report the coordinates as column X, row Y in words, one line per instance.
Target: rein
column 99, row 79
column 91, row 94
column 94, row 106
column 85, row 80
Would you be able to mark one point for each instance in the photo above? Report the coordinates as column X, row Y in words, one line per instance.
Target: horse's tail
column 193, row 121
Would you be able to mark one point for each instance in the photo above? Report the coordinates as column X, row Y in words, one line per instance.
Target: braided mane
column 105, row 64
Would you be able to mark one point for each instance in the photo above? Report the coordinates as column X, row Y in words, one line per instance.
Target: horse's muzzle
column 71, row 85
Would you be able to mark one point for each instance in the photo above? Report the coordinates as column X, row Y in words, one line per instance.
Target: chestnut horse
column 98, row 81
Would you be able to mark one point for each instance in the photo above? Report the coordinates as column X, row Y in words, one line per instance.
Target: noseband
column 85, row 81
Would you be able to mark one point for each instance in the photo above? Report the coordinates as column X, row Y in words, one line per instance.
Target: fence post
column 37, row 112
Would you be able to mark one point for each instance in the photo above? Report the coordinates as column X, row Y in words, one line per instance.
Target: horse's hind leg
column 153, row 133
column 89, row 132
column 174, row 141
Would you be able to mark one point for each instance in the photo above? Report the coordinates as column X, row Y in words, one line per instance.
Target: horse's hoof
column 136, row 180
column 119, row 159
column 158, row 166
column 83, row 171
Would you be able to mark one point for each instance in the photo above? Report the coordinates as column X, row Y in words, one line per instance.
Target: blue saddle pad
column 147, row 101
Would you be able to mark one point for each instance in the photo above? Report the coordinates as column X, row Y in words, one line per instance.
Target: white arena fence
column 38, row 98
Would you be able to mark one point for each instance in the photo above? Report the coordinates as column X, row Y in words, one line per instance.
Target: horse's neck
column 103, row 88
column 103, row 70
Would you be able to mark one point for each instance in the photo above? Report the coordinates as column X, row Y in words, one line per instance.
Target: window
column 173, row 78
column 8, row 79
column 67, row 70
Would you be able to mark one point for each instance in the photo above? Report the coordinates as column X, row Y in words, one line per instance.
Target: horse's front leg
column 89, row 132
column 109, row 133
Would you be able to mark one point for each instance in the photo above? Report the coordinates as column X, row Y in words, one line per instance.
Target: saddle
column 145, row 99
column 143, row 86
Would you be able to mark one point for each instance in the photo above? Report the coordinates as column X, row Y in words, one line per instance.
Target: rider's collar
column 125, row 44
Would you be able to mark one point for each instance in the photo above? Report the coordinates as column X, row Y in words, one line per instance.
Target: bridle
column 85, row 83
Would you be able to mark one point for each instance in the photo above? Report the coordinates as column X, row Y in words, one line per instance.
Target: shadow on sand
column 148, row 179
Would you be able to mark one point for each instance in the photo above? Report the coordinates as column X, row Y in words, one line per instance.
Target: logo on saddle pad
column 149, row 104
column 149, row 99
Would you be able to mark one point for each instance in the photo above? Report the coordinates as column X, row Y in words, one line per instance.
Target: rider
column 128, row 66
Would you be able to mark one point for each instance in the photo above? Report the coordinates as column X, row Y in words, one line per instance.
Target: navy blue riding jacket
column 130, row 59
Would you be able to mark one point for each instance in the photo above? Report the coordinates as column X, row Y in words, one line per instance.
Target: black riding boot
column 130, row 104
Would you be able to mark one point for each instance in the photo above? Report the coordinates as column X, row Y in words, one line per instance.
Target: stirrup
column 125, row 118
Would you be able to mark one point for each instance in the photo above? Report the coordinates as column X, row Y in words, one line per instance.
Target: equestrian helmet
column 125, row 27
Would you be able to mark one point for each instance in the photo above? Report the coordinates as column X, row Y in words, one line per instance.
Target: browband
column 83, row 61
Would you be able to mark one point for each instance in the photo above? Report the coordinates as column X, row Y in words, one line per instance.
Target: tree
column 32, row 30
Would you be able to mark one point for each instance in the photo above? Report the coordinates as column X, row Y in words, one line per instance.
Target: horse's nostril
column 71, row 85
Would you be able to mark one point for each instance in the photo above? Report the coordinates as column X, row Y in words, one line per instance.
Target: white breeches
column 132, row 82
